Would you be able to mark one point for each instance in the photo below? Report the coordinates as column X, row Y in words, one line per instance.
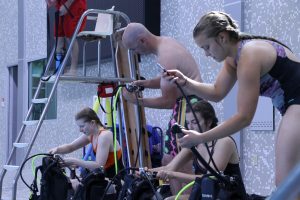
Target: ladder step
column 31, row 123
column 49, row 78
column 20, row 144
column 42, row 100
column 11, row 167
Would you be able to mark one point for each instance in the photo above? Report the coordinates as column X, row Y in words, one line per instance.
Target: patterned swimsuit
column 282, row 82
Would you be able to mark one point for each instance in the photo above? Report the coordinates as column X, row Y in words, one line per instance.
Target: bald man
column 171, row 55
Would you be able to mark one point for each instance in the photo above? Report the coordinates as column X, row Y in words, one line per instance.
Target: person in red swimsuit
column 102, row 140
column 70, row 12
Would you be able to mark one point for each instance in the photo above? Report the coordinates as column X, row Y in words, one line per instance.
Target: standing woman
column 261, row 66
column 102, row 140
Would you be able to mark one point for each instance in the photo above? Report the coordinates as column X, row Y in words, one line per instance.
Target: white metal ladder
column 46, row 101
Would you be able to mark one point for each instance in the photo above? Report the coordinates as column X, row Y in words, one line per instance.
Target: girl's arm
column 104, row 141
column 213, row 92
column 68, row 148
column 169, row 174
column 248, row 76
column 180, row 159
column 181, row 176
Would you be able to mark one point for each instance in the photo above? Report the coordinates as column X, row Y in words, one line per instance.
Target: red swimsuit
column 68, row 22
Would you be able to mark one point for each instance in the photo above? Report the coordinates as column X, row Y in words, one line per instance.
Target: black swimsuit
column 232, row 169
column 282, row 82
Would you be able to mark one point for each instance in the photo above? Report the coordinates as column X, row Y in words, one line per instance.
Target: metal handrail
column 54, row 87
column 21, row 132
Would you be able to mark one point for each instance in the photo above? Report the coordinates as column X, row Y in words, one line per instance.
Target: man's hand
column 51, row 3
column 62, row 10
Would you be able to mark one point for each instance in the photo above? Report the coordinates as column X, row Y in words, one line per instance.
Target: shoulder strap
column 33, row 186
column 43, row 181
column 236, row 59
column 233, row 141
column 212, row 151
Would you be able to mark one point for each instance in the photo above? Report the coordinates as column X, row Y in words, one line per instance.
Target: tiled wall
column 36, row 30
column 35, row 37
column 279, row 19
column 8, row 57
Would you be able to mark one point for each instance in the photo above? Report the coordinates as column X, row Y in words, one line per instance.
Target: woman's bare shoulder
column 106, row 134
column 227, row 141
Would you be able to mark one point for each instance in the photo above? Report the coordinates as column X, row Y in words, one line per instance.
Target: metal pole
column 99, row 58
column 137, row 111
column 122, row 108
column 83, row 62
column 20, row 134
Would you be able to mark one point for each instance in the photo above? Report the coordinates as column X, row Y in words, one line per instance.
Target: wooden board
column 129, row 110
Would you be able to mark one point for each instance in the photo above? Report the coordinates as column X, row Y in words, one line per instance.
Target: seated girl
column 224, row 151
column 94, row 132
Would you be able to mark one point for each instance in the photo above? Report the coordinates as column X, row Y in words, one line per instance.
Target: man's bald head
column 133, row 33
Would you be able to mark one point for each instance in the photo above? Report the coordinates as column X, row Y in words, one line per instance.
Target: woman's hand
column 190, row 139
column 157, row 169
column 62, row 10
column 165, row 175
column 175, row 76
column 53, row 150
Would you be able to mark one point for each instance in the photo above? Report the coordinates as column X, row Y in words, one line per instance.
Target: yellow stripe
column 181, row 117
column 183, row 111
column 96, row 105
column 108, row 112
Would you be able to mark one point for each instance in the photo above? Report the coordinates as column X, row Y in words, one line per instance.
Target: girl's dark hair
column 88, row 114
column 214, row 22
column 206, row 110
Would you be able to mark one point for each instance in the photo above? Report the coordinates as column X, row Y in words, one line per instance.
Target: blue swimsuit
column 282, row 82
